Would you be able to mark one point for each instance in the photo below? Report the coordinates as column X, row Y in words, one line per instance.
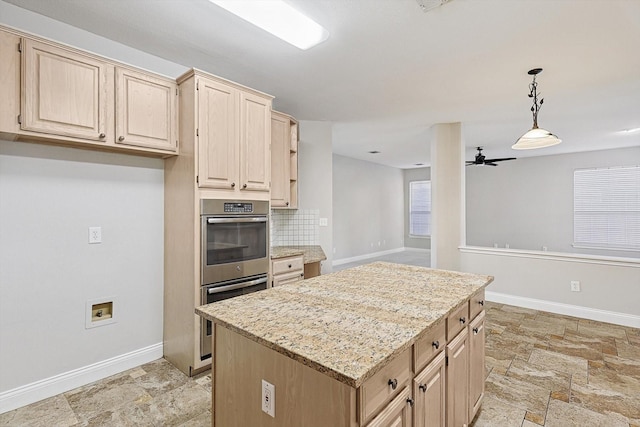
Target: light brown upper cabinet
column 284, row 161
column 145, row 110
column 232, row 131
column 58, row 94
column 63, row 93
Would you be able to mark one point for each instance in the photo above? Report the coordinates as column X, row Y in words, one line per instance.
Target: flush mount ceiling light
column 536, row 137
column 279, row 19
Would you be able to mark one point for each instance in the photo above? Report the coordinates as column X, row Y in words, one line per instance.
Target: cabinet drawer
column 476, row 305
column 285, row 265
column 286, row 278
column 428, row 346
column 378, row 390
column 457, row 320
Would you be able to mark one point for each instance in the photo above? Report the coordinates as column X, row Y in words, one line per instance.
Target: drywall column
column 315, row 172
column 447, row 195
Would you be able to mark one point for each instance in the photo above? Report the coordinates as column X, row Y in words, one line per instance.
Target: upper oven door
column 234, row 247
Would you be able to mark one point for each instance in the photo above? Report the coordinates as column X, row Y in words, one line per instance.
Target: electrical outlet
column 324, row 222
column 268, row 398
column 95, row 235
column 575, row 286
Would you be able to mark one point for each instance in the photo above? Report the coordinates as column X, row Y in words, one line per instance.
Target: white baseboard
column 366, row 256
column 48, row 387
column 616, row 318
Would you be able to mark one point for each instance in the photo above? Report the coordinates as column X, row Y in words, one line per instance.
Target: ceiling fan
column 481, row 160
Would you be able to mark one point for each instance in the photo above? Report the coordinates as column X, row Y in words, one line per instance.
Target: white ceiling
column 389, row 71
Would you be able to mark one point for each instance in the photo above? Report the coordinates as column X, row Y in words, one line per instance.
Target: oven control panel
column 238, row 207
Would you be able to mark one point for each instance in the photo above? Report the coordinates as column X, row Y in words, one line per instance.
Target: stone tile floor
column 542, row 369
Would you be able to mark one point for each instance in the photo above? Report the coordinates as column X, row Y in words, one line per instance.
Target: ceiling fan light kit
column 535, row 137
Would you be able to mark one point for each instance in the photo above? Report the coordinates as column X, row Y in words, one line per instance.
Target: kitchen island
column 346, row 349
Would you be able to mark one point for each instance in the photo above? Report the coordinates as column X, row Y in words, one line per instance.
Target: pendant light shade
column 535, row 137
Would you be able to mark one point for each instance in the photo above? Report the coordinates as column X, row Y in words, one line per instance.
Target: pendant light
column 535, row 137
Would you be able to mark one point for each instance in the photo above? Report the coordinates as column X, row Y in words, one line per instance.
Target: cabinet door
column 476, row 364
column 217, row 135
column 396, row 414
column 146, row 109
column 255, row 142
column 430, row 394
column 458, row 380
column 63, row 93
column 280, row 127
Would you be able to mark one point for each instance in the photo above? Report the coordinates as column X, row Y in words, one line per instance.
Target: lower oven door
column 220, row 291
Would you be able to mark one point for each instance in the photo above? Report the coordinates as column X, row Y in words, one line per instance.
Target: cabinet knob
column 102, row 136
column 393, row 383
column 423, row 387
column 121, row 138
column 481, row 302
column 436, row 344
column 463, row 320
column 289, row 265
column 301, row 274
column 233, row 184
column 475, row 331
column 244, row 185
column 410, row 401
column 287, row 203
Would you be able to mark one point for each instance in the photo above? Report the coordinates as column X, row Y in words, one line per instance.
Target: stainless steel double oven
column 235, row 253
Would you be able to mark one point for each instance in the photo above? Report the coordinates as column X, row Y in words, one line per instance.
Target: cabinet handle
column 475, row 331
column 244, row 185
column 121, row 138
column 423, row 387
column 436, row 344
column 393, row 383
column 481, row 302
column 463, row 320
column 102, row 136
column 410, row 401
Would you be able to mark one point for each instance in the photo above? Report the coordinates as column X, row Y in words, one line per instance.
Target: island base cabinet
column 476, row 364
column 397, row 413
column 430, row 394
column 303, row 396
column 458, row 380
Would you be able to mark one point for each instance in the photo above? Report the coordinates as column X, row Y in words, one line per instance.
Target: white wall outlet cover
column 324, row 222
column 268, row 398
column 95, row 235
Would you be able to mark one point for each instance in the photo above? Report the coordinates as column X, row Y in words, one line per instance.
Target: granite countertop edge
column 310, row 253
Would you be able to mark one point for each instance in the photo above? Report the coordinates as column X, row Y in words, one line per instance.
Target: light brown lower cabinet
column 429, row 393
column 458, row 380
column 397, row 413
column 476, row 364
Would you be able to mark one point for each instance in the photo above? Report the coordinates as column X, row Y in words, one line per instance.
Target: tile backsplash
column 295, row 227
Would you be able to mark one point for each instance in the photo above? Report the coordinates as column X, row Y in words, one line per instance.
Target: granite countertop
column 348, row 324
column 310, row 253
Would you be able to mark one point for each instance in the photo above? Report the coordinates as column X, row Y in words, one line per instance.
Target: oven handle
column 236, row 219
column 218, row 289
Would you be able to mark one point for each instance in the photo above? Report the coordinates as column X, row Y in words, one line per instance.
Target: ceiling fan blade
column 490, row 164
column 500, row 160
column 470, row 162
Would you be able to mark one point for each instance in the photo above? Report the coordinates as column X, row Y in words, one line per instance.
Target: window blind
column 606, row 208
column 420, row 208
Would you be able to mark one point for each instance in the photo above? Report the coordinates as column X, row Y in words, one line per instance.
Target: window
column 420, row 208
column 606, row 208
